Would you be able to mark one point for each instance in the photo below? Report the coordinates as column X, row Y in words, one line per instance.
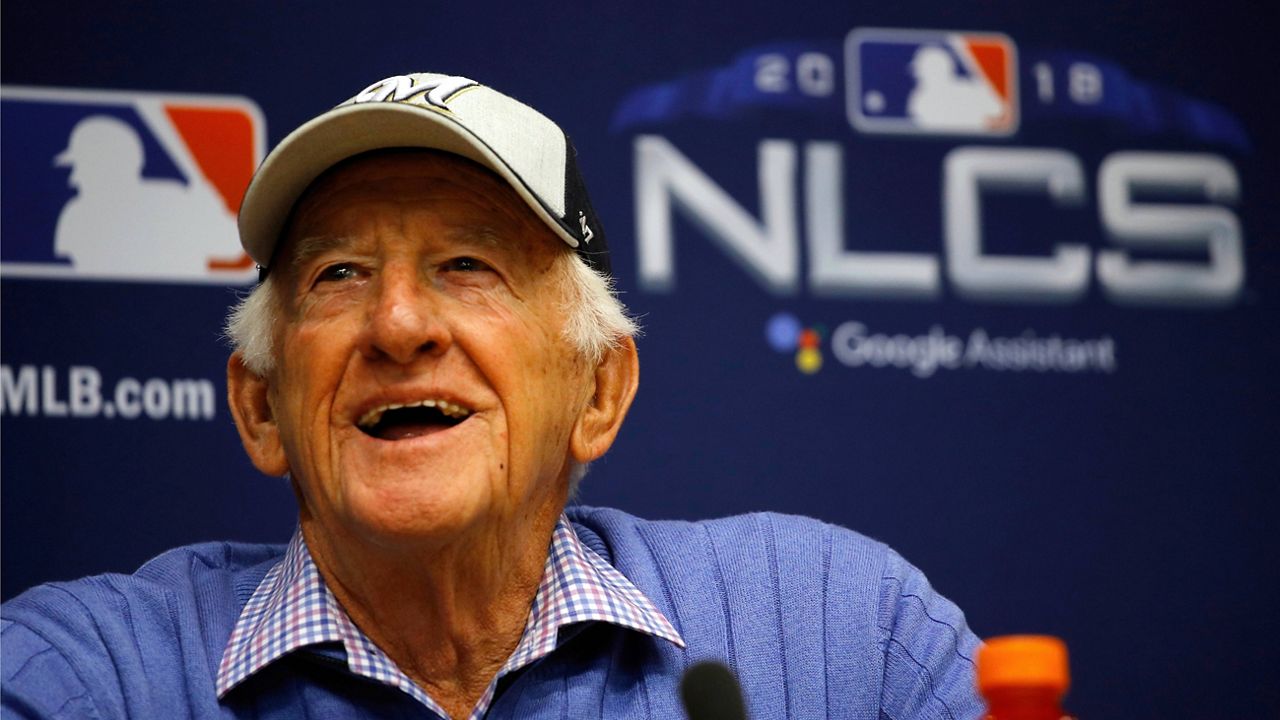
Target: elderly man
column 433, row 357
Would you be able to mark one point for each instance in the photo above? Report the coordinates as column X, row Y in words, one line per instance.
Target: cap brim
column 348, row 131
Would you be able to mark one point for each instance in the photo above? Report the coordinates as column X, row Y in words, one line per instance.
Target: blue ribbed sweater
column 817, row 622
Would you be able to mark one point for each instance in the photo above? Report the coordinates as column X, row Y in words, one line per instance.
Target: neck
column 449, row 615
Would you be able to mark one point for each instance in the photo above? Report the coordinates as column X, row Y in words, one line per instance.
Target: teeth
column 372, row 417
column 454, row 411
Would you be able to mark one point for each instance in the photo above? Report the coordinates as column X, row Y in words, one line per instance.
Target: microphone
column 711, row 692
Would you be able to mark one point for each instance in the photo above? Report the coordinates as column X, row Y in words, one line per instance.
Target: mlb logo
column 126, row 186
column 931, row 82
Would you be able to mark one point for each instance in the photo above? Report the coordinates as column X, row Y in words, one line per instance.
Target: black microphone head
column 711, row 692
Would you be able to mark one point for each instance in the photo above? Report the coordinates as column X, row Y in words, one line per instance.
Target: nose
column 405, row 320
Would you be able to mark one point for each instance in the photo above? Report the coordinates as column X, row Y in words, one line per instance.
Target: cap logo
column 586, row 231
column 436, row 89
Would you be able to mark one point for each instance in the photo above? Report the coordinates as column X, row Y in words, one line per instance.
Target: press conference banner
column 995, row 285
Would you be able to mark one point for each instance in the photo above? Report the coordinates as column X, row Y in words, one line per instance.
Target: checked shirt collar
column 293, row 608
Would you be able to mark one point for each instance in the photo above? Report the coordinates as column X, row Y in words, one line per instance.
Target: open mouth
column 397, row 421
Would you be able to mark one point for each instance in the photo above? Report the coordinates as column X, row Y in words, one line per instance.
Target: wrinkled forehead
column 369, row 179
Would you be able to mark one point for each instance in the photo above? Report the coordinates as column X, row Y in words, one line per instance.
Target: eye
column 336, row 273
column 464, row 264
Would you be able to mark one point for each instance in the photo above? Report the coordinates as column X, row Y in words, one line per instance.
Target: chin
column 418, row 510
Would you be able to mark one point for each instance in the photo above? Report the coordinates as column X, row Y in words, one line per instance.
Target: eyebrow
column 313, row 246
column 480, row 235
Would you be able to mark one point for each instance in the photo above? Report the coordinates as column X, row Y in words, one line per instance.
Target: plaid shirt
column 293, row 608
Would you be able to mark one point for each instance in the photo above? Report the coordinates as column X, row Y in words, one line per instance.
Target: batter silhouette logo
column 126, row 186
column 931, row 82
column 785, row 334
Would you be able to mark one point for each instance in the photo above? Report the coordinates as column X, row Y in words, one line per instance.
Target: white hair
column 250, row 326
column 596, row 321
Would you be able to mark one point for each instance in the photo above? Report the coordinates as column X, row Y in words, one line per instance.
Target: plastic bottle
column 1023, row 677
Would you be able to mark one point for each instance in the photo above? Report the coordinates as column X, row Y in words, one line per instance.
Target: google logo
column 785, row 334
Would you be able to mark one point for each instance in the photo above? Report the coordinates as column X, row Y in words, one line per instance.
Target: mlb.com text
column 79, row 392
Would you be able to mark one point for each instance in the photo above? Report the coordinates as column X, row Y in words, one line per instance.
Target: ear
column 617, row 377
column 247, row 396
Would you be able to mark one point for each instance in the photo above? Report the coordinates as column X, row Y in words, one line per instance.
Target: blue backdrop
column 1031, row 345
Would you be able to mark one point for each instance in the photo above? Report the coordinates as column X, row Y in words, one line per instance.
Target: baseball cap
column 442, row 112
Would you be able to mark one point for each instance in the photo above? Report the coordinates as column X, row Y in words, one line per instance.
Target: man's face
column 420, row 280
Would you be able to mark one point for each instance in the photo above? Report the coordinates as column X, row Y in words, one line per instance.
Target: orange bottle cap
column 1023, row 661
